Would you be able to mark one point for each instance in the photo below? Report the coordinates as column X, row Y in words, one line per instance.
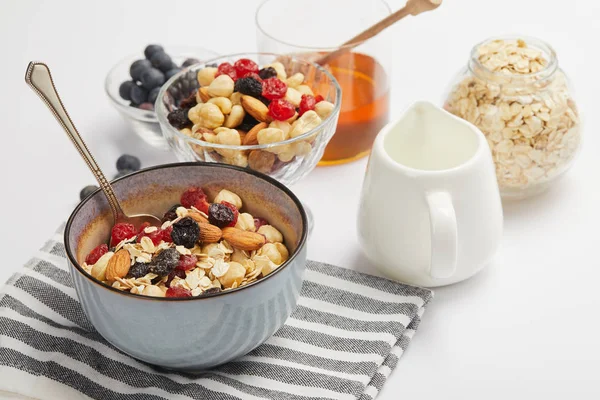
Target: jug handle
column 442, row 220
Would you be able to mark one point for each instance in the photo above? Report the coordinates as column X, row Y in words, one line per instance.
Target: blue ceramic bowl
column 189, row 333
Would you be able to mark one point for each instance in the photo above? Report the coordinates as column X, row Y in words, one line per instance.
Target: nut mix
column 523, row 107
column 241, row 104
column 200, row 248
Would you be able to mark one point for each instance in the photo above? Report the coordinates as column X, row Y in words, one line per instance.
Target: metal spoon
column 39, row 78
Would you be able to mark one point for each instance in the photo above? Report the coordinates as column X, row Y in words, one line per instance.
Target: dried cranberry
column 178, row 291
column 186, row 232
column 220, row 215
column 274, row 88
column 155, row 236
column 258, row 222
column 175, row 273
column 244, row 66
column 121, row 231
column 235, row 210
column 307, row 103
column 143, row 226
column 187, row 262
column 319, row 98
column 95, row 254
column 166, row 234
column 281, row 110
column 194, row 196
column 226, row 69
column 253, row 75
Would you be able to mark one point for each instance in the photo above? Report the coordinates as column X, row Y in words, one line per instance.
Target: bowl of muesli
column 215, row 279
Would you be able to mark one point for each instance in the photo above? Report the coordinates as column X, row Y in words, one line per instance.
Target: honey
column 364, row 110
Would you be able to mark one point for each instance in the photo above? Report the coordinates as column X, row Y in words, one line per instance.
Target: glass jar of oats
column 513, row 90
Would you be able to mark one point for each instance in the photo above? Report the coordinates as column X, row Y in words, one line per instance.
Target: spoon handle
column 39, row 78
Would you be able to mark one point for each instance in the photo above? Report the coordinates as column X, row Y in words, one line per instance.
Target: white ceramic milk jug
column 430, row 210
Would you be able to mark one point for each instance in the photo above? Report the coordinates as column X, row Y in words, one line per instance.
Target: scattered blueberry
column 138, row 95
column 129, row 163
column 171, row 72
column 138, row 67
column 146, row 106
column 153, row 95
column 121, row 174
column 190, row 61
column 152, row 78
column 86, row 191
column 125, row 89
column 151, row 49
column 161, row 60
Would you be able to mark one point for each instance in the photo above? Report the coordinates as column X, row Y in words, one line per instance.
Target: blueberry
column 151, row 49
column 128, row 162
column 123, row 173
column 137, row 68
column 153, row 95
column 86, row 191
column 125, row 89
column 161, row 60
column 190, row 61
column 152, row 78
column 171, row 72
column 138, row 95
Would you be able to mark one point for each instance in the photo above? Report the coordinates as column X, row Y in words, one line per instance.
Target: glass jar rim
column 303, row 47
column 482, row 72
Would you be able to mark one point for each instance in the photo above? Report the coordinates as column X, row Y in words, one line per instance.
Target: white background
column 525, row 327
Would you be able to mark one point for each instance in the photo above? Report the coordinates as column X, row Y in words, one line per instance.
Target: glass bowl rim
column 136, row 113
column 162, row 118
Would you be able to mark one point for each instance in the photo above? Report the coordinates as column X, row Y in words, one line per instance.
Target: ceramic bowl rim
column 268, row 179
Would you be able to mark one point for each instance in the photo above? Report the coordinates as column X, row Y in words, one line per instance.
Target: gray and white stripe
column 342, row 342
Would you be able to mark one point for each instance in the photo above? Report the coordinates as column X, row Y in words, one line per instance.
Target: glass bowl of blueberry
column 132, row 85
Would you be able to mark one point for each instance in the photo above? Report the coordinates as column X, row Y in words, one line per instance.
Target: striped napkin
column 343, row 350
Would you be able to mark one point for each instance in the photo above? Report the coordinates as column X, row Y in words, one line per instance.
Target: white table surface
column 527, row 326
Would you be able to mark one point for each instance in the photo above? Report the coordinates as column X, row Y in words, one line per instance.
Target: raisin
column 212, row 290
column 281, row 110
column 179, row 118
column 274, row 88
column 248, row 123
column 249, row 86
column 307, row 103
column 95, row 254
column 268, row 72
column 170, row 215
column 164, row 262
column 175, row 273
column 233, row 208
column 122, row 231
column 220, row 215
column 187, row 262
column 188, row 102
column 178, row 291
column 138, row 270
column 186, row 232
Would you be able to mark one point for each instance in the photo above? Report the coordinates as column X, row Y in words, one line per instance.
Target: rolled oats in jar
column 513, row 90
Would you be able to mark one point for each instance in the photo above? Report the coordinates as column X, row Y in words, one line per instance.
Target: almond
column 118, row 265
column 196, row 216
column 204, row 96
column 256, row 108
column 251, row 137
column 209, row 233
column 243, row 240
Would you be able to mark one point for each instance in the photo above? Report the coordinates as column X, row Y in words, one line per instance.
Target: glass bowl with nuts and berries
column 132, row 85
column 513, row 90
column 265, row 112
column 231, row 244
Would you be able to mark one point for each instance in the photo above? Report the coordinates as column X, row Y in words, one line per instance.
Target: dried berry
column 138, row 270
column 166, row 234
column 274, row 88
column 249, row 86
column 187, row 262
column 226, row 69
column 245, row 66
column 179, row 118
column 192, row 196
column 164, row 262
column 248, row 123
column 178, row 291
column 121, row 231
column 212, row 290
column 319, row 98
column 233, row 208
column 281, row 110
column 268, row 72
column 253, row 75
column 307, row 103
column 186, row 232
column 156, row 236
column 171, row 214
column 220, row 215
column 188, row 102
column 258, row 222
column 95, row 254
column 175, row 273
